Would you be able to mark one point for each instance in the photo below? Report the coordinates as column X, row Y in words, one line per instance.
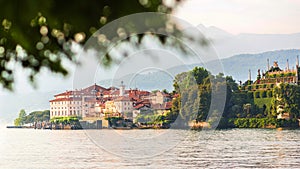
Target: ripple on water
column 237, row 148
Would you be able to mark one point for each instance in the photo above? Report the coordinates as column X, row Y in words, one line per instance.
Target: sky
column 244, row 16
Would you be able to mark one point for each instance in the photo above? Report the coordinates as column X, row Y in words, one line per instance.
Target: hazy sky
column 244, row 16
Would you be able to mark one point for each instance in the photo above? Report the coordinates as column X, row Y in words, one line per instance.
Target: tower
column 258, row 74
column 122, row 89
column 287, row 65
column 297, row 70
column 249, row 76
column 268, row 64
column 297, row 62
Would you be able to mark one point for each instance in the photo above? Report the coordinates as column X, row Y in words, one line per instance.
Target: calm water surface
column 236, row 148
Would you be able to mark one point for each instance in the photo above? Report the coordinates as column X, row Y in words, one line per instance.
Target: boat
column 145, row 127
column 122, row 128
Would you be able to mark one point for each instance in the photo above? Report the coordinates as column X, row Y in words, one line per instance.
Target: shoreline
column 191, row 128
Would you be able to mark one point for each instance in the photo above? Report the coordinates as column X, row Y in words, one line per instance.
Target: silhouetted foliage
column 39, row 34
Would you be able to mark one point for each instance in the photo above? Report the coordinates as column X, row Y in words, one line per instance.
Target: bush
column 250, row 95
column 256, row 122
column 249, row 88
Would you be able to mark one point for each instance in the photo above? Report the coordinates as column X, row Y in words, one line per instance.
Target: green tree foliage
column 175, row 110
column 21, row 118
column 195, row 88
column 200, row 74
column 36, row 116
column 154, row 119
column 255, row 122
column 264, row 123
column 113, row 121
column 249, row 109
column 38, row 34
column 288, row 97
column 71, row 120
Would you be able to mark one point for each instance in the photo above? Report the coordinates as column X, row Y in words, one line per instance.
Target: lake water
column 235, row 148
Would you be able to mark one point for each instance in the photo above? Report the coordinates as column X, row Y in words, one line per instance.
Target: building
column 96, row 102
column 273, row 76
column 159, row 98
column 276, row 75
column 84, row 102
column 123, row 104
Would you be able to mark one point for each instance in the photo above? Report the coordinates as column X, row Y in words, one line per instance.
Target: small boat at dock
column 122, row 128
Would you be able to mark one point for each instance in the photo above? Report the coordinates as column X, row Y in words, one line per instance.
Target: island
column 272, row 100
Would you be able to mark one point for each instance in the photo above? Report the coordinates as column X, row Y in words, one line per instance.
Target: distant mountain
column 237, row 66
column 227, row 44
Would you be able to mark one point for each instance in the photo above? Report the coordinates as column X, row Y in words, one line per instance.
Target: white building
column 123, row 104
column 85, row 102
column 159, row 98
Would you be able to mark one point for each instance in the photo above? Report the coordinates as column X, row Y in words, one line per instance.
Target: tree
column 38, row 116
column 200, row 74
column 287, row 97
column 39, row 34
column 175, row 110
column 21, row 118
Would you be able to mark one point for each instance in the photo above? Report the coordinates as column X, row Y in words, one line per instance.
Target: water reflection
column 237, row 148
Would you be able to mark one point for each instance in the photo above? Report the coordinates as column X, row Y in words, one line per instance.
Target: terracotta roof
column 65, row 99
column 139, row 106
column 112, row 88
column 176, row 95
column 168, row 105
column 86, row 91
column 64, row 93
column 122, row 98
column 164, row 106
column 93, row 87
